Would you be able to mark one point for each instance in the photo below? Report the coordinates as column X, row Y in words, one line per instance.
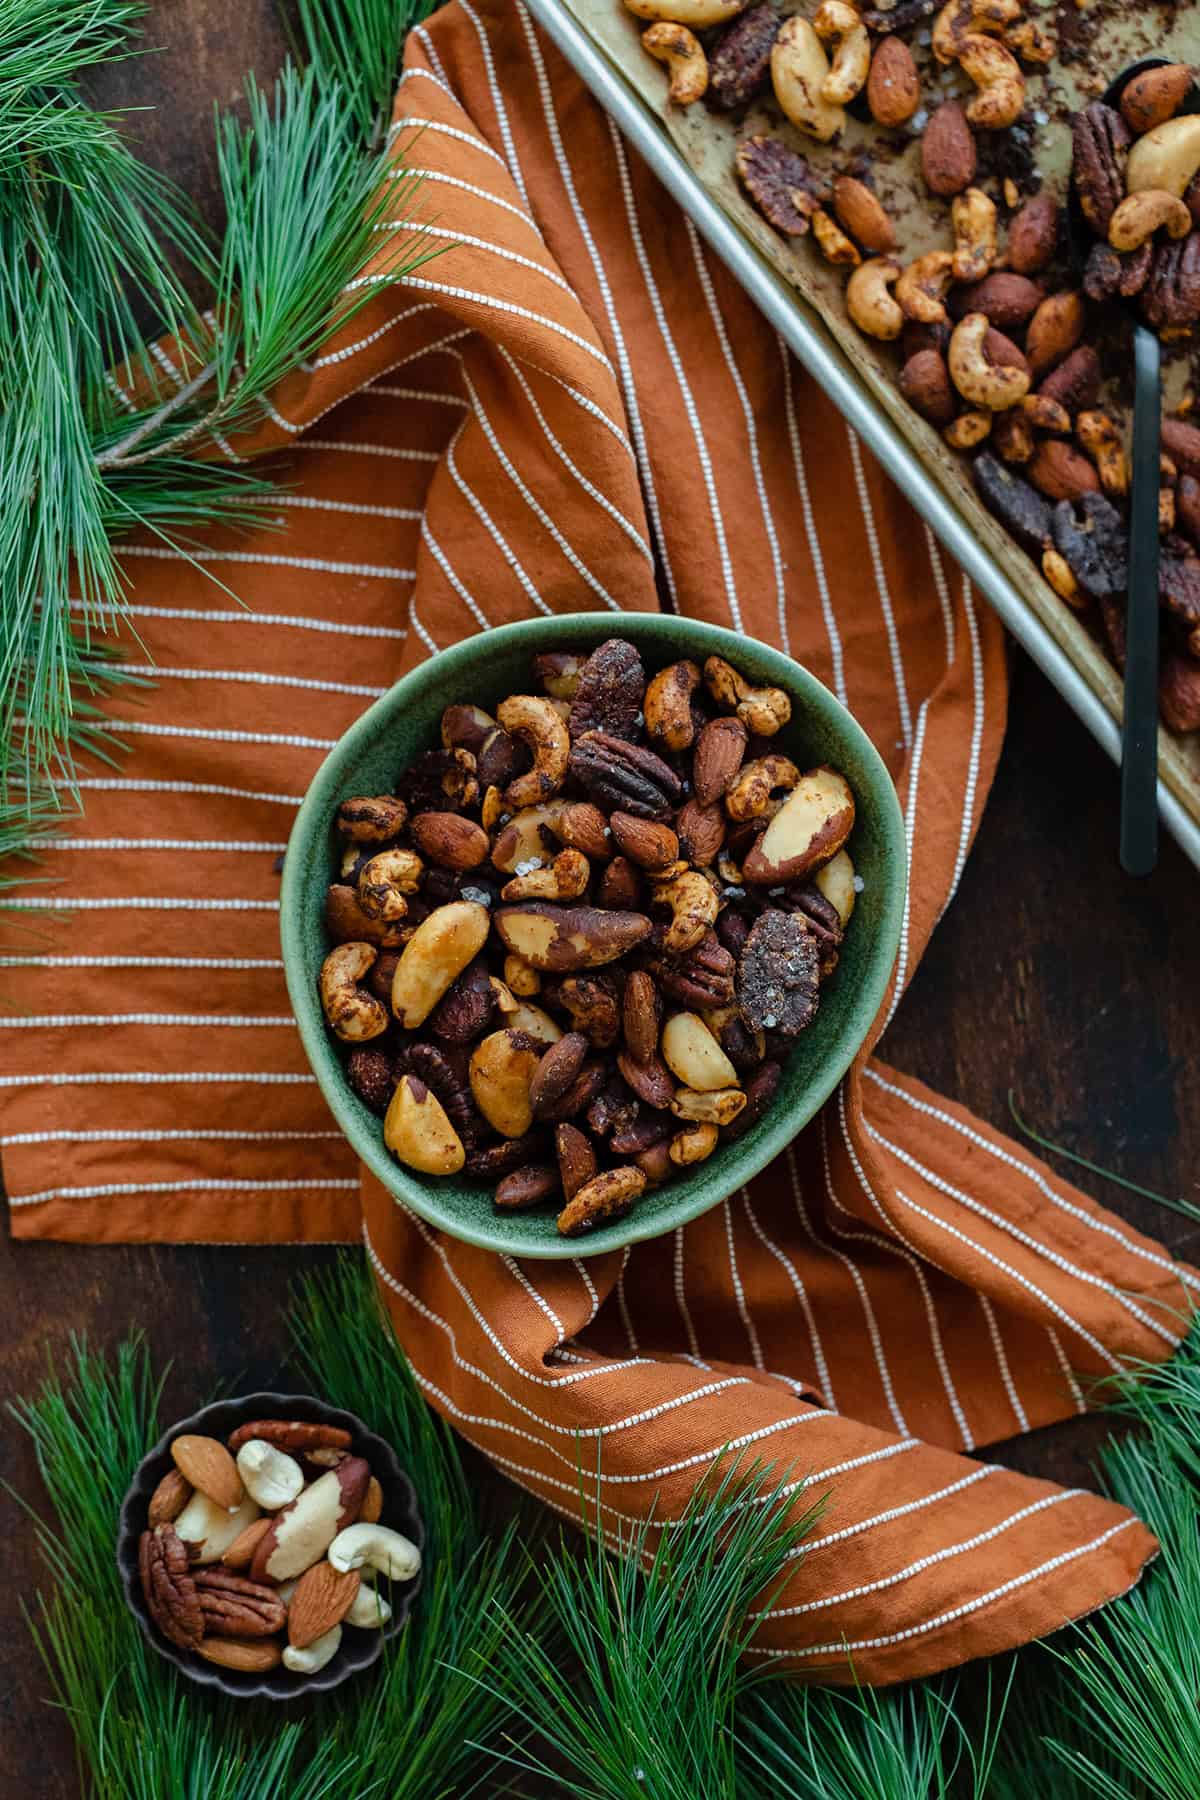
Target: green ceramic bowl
column 485, row 668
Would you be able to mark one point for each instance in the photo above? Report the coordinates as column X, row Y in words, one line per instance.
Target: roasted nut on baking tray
column 1033, row 235
column 926, row 385
column 809, row 828
column 1076, row 381
column 1153, row 96
column 1166, row 158
column 948, row 155
column 799, row 71
column 893, row 85
column 1012, row 436
column 1101, row 438
column 1054, row 330
column 922, row 287
column 1061, row 472
column 981, row 380
column 761, row 710
column 739, row 67
column 835, row 22
column 1019, row 508
column 681, row 50
column 1032, row 41
column 1099, row 146
column 959, row 19
column 832, row 241
column 1057, row 571
column 438, row 951
column 863, row 215
column 1143, row 213
column 699, row 14
column 351, row 1012
column 973, row 216
column 998, row 78
column 969, row 429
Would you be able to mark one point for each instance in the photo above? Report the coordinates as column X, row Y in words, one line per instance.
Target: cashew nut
column 371, row 819
column 837, row 23
column 369, row 1611
column 696, row 13
column 209, row 1529
column 418, row 1132
column 269, row 1475
column 757, row 781
column 996, row 73
column 1031, row 41
column 1101, row 439
column 1057, row 571
column 536, row 721
column 980, row 382
column 694, row 1056
column 667, row 707
column 565, row 879
column 799, row 71
column 521, row 977
column 869, row 301
column 970, row 428
column 385, row 880
column 314, row 1656
column 435, row 956
column 921, row 289
column 973, row 216
column 681, row 50
column 376, row 1547
column 716, row 1106
column 524, row 842
column 833, row 242
column 1139, row 216
column 1166, row 158
column 694, row 906
column 761, row 710
column 961, row 18
column 1046, row 413
column 353, row 1014
column 694, row 1144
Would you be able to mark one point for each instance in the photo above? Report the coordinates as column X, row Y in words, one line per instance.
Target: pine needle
column 1185, row 1207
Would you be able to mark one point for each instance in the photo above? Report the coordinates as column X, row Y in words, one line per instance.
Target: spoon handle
column 1139, row 740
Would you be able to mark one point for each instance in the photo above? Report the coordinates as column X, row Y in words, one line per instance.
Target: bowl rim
column 366, row 1649
column 767, row 1139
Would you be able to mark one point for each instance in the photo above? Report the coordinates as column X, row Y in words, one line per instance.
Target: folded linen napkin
column 574, row 407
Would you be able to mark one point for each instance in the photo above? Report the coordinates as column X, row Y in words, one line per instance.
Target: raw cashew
column 668, row 704
column 694, row 1056
column 353, row 1014
column 799, row 71
column 980, row 382
column 837, row 23
column 1100, row 438
column 565, row 879
column 418, row 1132
column 834, row 244
column 208, row 1529
column 696, row 13
column 1166, row 158
column 1139, row 216
column 385, row 880
column 314, row 1656
column 694, row 906
column 682, row 52
column 716, row 1106
column 537, row 722
column 269, row 1475
column 435, row 955
column 921, row 289
column 961, row 19
column 761, row 710
column 973, row 216
column 997, row 75
column 376, row 1547
column 869, row 301
column 756, row 782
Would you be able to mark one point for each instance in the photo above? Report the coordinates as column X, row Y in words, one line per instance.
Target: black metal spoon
column 1139, row 729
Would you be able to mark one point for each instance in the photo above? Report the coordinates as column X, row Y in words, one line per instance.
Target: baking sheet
column 692, row 153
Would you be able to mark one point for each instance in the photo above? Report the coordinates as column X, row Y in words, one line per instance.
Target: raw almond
column 863, row 215
column 240, row 1553
column 321, row 1600
column 372, row 1505
column 168, row 1499
column 893, row 85
column 252, row 1656
column 947, row 150
column 208, row 1465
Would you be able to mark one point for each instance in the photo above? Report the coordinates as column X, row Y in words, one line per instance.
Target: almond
column 925, row 384
column 1054, row 330
column 1033, row 235
column 863, row 215
column 701, row 831
column 449, row 840
column 251, row 1656
column 240, row 1553
column 720, row 749
column 321, row 1600
column 168, row 1499
column 1075, row 384
column 893, row 85
column 208, row 1465
column 372, row 1505
column 576, row 1159
column 649, row 845
column 947, row 150
column 1061, row 472
column 1181, row 442
column 1155, row 96
column 1009, row 301
column 581, row 826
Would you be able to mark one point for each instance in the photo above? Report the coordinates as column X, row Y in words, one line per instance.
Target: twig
column 118, row 454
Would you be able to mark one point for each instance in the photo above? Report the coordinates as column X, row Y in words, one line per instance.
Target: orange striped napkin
column 574, row 407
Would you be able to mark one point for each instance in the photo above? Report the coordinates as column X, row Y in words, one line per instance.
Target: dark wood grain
column 1052, row 975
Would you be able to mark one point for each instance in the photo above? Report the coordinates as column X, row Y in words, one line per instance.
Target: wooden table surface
column 1052, row 975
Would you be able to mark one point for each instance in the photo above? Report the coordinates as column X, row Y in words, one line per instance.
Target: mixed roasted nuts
column 1001, row 349
column 257, row 1551
column 571, row 959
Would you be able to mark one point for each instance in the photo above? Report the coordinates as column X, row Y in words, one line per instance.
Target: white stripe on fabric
column 144, row 727
column 157, row 672
column 623, row 1304
column 109, row 1190
column 543, row 1305
column 156, row 1078
column 316, row 564
column 681, row 1297
column 584, row 403
column 956, row 1612
column 141, row 962
column 70, row 1021
column 881, row 585
column 451, row 131
column 464, row 594
column 410, row 393
column 493, row 530
column 898, row 1512
column 1073, row 1386
column 942, row 587
column 316, row 502
column 900, row 973
column 480, row 193
column 118, row 392
column 1039, row 1248
column 810, row 527
column 739, row 1292
column 199, row 1135
column 801, row 1293
column 443, row 86
column 1006, row 1375
column 272, row 412
column 494, row 89
column 256, row 846
column 418, row 627
column 245, row 615
column 356, row 447
column 141, row 903
column 129, row 784
column 494, row 304
column 513, row 256
column 977, row 707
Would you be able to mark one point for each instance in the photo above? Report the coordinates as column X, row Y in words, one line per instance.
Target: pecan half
column 702, row 978
column 625, row 777
column 435, row 1068
column 169, row 1587
column 1170, row 300
column 1019, row 507
column 1100, row 145
column 232, row 1606
column 740, row 65
column 1179, row 586
column 786, row 191
column 1091, row 538
column 612, row 684
column 290, row 1434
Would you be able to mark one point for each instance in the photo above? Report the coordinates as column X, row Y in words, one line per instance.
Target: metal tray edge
column 815, row 349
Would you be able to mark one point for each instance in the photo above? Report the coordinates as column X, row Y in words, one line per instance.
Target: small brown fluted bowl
column 358, row 1649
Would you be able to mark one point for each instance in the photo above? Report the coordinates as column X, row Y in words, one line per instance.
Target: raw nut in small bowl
column 241, row 1614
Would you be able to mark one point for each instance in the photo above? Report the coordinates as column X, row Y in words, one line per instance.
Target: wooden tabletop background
column 1052, row 975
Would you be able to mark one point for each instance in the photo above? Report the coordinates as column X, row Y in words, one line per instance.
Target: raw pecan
column 1019, row 507
column 526, row 1187
column 740, row 65
column 1091, row 537
column 465, row 1011
column 778, row 975
column 290, row 1434
column 609, row 696
column 1100, row 142
column 704, row 977
column 786, row 191
column 621, row 775
column 760, row 1090
column 169, row 1587
column 235, row 1607
column 493, row 1160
